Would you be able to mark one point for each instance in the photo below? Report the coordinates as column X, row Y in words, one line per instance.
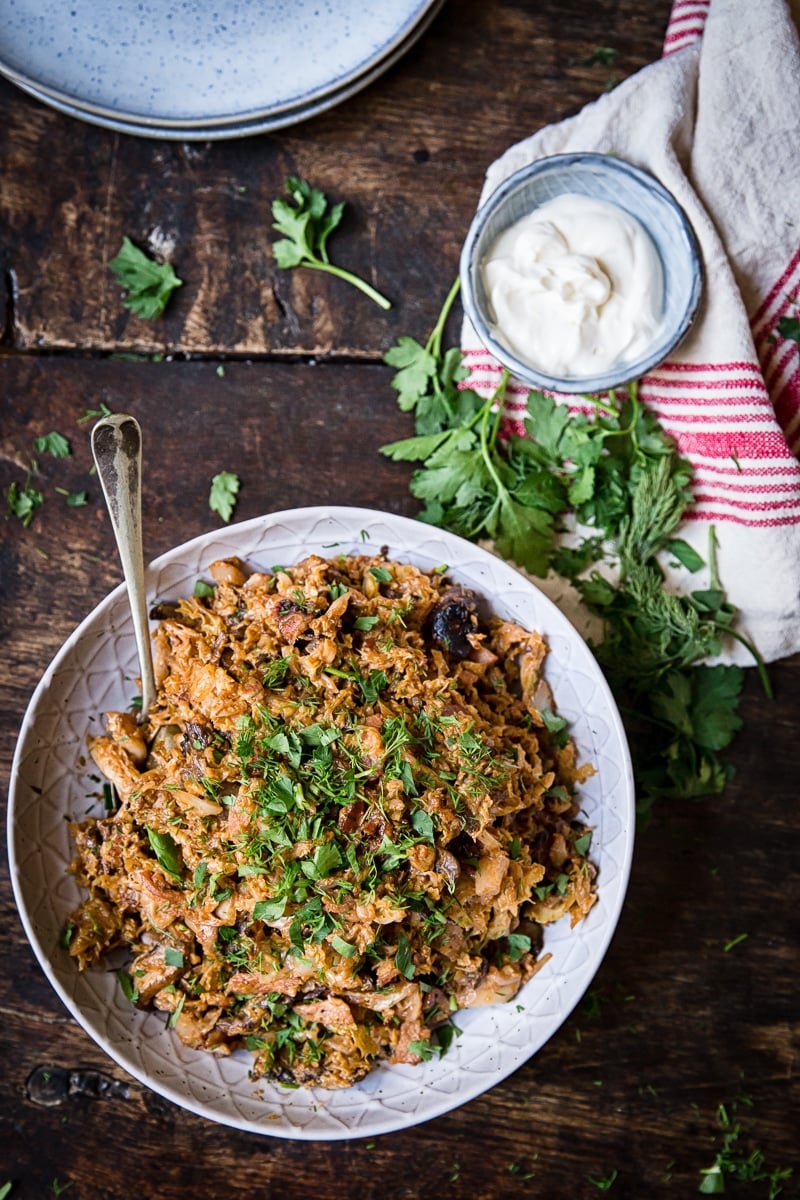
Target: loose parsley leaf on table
column 622, row 480
column 222, row 497
column 23, row 500
column 149, row 284
column 52, row 443
column 603, row 56
column 307, row 222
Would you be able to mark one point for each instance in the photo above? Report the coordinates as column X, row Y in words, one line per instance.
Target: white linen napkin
column 717, row 120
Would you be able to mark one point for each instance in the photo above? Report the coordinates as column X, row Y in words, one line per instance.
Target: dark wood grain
column 408, row 155
column 674, row 1024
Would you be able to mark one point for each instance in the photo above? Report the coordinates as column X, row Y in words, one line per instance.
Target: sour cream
column 575, row 288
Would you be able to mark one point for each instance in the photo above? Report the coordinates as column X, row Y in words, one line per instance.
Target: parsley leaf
column 149, row 284
column 166, row 852
column 23, row 500
column 52, row 443
column 222, row 497
column 306, row 222
column 603, row 56
column 269, row 910
column 402, row 958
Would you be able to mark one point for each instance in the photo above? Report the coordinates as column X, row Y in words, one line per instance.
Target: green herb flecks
column 601, row 56
column 306, row 222
column 148, row 284
column 23, row 500
column 129, row 989
column 734, row 1160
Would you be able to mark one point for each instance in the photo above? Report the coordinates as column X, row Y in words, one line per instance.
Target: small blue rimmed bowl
column 601, row 177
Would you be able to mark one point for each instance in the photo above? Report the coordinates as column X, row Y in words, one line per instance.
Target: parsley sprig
column 617, row 480
column 306, row 221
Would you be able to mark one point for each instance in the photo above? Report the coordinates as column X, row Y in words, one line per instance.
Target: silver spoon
column 117, row 450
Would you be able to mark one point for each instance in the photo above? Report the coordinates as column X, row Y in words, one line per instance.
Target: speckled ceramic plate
column 95, row 670
column 197, row 63
column 241, row 127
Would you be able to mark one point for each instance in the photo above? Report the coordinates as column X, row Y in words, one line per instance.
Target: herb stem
column 434, row 343
column 362, row 285
column 487, row 446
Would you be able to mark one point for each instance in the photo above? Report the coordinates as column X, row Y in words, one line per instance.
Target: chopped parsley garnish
column 306, row 221
column 402, row 959
column 23, row 500
column 129, row 989
column 166, row 852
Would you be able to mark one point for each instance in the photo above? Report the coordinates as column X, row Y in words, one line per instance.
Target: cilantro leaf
column 346, row 949
column 149, row 284
column 222, row 497
column 306, row 222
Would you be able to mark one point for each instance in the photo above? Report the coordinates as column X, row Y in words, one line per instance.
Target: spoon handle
column 117, row 450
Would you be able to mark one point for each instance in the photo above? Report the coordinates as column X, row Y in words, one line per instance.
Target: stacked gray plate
column 203, row 69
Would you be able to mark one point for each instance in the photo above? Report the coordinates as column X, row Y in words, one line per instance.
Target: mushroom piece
column 452, row 619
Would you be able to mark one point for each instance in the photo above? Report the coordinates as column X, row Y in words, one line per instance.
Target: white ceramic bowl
column 95, row 670
column 601, row 177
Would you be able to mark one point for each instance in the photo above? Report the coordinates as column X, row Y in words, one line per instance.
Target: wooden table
column 277, row 376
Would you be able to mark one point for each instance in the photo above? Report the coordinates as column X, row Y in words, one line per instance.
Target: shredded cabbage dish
column 350, row 813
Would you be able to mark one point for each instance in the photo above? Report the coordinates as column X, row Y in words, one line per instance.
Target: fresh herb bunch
column 149, row 284
column 307, row 222
column 626, row 487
